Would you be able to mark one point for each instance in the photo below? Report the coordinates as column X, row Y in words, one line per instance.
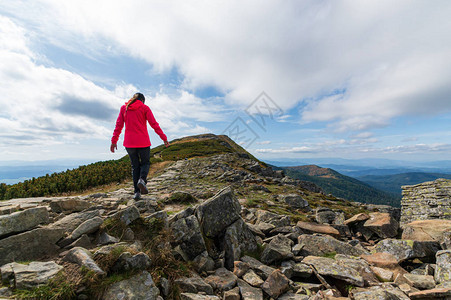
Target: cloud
column 70, row 105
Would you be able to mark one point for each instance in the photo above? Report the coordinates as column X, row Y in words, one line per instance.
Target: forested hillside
column 342, row 186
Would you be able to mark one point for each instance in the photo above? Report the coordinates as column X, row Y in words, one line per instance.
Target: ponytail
column 132, row 100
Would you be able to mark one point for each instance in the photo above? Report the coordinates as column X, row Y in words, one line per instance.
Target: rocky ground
column 218, row 227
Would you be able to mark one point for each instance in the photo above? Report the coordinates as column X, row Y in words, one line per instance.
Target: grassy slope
column 342, row 186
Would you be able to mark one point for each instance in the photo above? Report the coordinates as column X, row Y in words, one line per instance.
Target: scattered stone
column 140, row 286
column 187, row 234
column 35, row 273
column 443, row 269
column 421, row 282
column 272, row 218
column 127, row 262
column 30, row 245
column 105, row 239
column 238, row 239
column 218, row 212
column 253, row 279
column 188, row 296
column 240, row 268
column 260, row 269
column 381, row 260
column 276, row 284
column 82, row 257
column 382, row 224
column 193, row 285
column 277, row 250
column 326, row 245
column 72, row 221
column 69, row 205
column 291, row 296
column 427, row 230
column 264, row 227
column 6, row 292
column 382, row 274
column 356, row 218
column 326, row 215
column 318, row 228
column 248, row 292
column 84, row 241
column 294, row 200
column 204, row 263
column 437, row 293
column 222, row 280
column 233, row 294
column 407, row 249
column 328, row 267
column 161, row 216
column 23, row 220
column 87, row 227
column 127, row 215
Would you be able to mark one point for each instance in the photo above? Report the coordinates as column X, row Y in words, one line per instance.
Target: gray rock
column 7, row 292
column 382, row 224
column 329, row 267
column 277, row 250
column 193, row 285
column 128, row 215
column 422, row 282
column 276, row 284
column 84, row 241
column 253, row 279
column 407, row 249
column 87, row 227
column 140, row 286
column 204, row 263
column 23, row 220
column 233, row 294
column 248, row 292
column 301, row 270
column 69, row 205
column 218, row 212
column 377, row 292
column 189, row 296
column 72, row 221
column 264, row 227
column 272, row 218
column 82, row 257
column 291, row 296
column 443, row 271
column 165, row 287
column 323, row 245
column 238, row 239
column 105, row 239
column 222, row 280
column 294, row 200
column 187, row 234
column 30, row 245
column 260, row 269
column 34, row 274
column 161, row 216
column 127, row 262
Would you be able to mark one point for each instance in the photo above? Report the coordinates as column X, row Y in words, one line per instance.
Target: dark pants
column 140, row 159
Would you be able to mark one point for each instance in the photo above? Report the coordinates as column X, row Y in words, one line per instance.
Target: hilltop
column 342, row 186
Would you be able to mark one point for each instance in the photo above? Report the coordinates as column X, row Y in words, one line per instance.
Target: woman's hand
column 166, row 143
column 112, row 147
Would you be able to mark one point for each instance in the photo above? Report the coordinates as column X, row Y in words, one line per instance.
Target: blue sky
column 348, row 79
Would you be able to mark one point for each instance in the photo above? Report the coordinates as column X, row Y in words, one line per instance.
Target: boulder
column 421, row 282
column 326, row 215
column 187, row 234
column 27, row 276
column 72, row 221
column 240, row 268
column 140, row 286
column 323, row 245
column 193, row 285
column 22, row 220
column 105, row 239
column 443, row 269
column 233, row 294
column 204, row 263
column 427, row 230
column 383, row 275
column 272, row 218
column 82, row 257
column 329, row 267
column 407, row 249
column 127, row 215
column 437, row 293
column 189, row 296
column 360, row 265
column 253, row 279
column 276, row 284
column 356, row 218
column 381, row 260
column 128, row 262
column 69, row 205
column 222, row 280
column 294, row 200
column 277, row 250
column 382, row 224
column 310, row 227
column 248, row 292
column 260, row 269
column 218, row 212
column 87, row 227
column 30, row 245
column 238, row 239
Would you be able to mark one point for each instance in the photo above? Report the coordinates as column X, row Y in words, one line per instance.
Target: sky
column 285, row 79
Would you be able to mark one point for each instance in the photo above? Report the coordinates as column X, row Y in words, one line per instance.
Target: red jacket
column 135, row 117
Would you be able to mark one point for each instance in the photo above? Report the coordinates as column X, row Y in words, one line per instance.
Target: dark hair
column 140, row 97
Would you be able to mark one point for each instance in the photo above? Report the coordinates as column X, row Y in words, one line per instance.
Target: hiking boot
column 142, row 186
column 137, row 196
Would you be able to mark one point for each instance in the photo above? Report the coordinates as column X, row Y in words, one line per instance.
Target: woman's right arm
column 117, row 129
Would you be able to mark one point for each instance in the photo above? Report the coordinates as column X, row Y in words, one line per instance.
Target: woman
column 135, row 114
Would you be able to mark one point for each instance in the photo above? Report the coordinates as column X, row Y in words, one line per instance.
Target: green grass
column 58, row 288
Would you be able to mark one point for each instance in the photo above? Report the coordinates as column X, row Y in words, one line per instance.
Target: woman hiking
column 135, row 115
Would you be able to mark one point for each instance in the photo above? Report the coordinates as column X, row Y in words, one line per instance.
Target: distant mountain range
column 342, row 186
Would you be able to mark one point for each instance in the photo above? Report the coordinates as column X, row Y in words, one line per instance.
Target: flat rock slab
column 318, row 228
column 82, row 257
column 356, row 218
column 222, row 280
column 407, row 249
column 72, row 221
column 34, row 274
column 69, row 205
column 426, row 230
column 382, row 224
column 437, row 293
column 421, row 282
column 277, row 250
column 190, row 296
column 322, row 245
column 443, row 269
column 30, row 245
column 329, row 267
column 87, row 227
column 21, row 221
column 276, row 284
column 193, row 285
column 140, row 286
column 248, row 292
